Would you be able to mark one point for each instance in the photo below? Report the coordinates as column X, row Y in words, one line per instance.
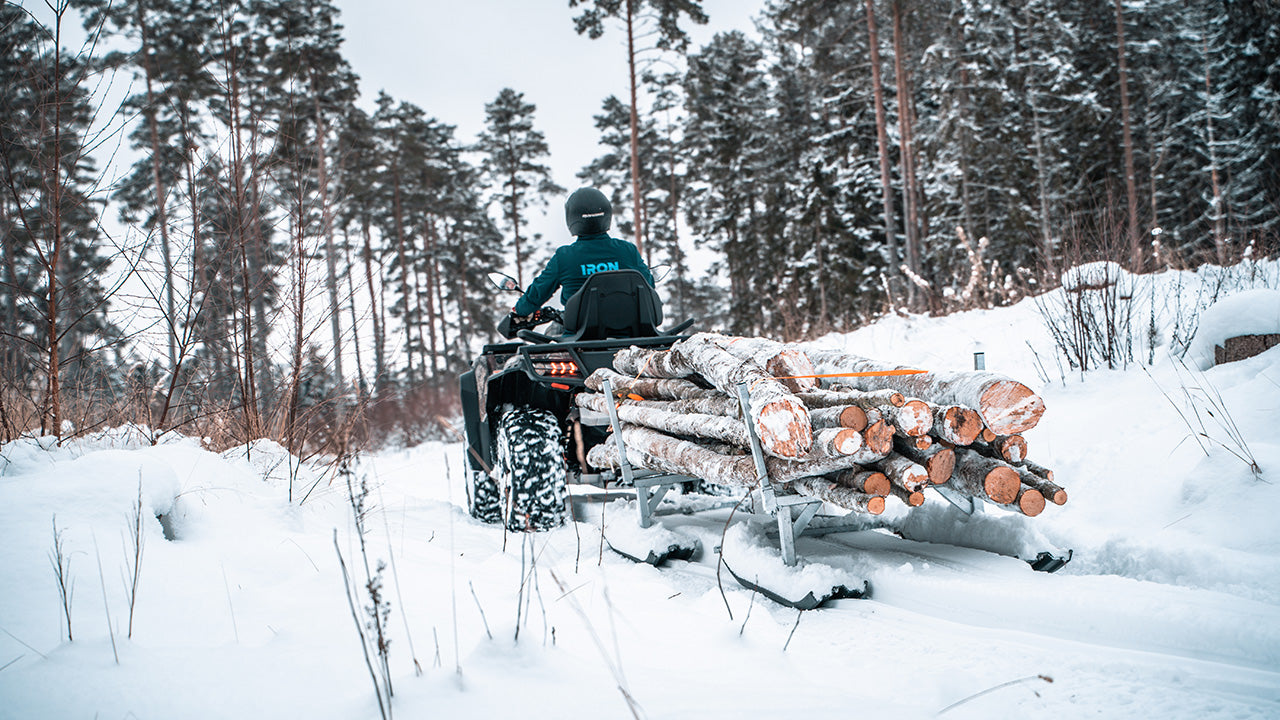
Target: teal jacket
column 569, row 268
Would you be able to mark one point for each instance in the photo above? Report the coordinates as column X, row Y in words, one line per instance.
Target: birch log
column 848, row 498
column 937, row 460
column 979, row 476
column 865, row 400
column 914, row 418
column 904, row 472
column 1053, row 493
column 781, row 420
column 687, row 458
column 787, row 363
column 719, row 405
column 1005, row 405
column 839, row 416
column 1010, row 448
column 878, row 438
column 956, row 424
column 871, row 482
column 712, row 427
column 649, row 388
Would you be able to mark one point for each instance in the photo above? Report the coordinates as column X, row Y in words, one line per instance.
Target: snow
column 1170, row 607
column 1252, row 312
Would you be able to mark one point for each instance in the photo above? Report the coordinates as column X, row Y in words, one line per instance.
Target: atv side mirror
column 659, row 273
column 504, row 282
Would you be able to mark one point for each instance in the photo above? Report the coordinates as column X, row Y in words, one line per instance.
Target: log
column 904, row 472
column 987, row 435
column 712, row 427
column 688, row 458
column 848, row 498
column 651, row 362
column 878, row 438
column 913, row 418
column 1010, row 448
column 832, row 442
column 1030, row 502
column 780, row 419
column 1005, row 405
column 937, row 460
column 979, row 476
column 1040, row 470
column 956, row 424
column 649, row 388
column 718, row 405
column 913, row 498
column 845, row 416
column 924, row 442
column 789, row 364
column 870, row 482
column 1051, row 492
column 846, row 396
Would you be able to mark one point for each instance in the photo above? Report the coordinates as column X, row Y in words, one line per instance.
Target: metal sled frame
column 792, row 512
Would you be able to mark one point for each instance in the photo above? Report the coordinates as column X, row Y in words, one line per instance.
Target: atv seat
column 613, row 304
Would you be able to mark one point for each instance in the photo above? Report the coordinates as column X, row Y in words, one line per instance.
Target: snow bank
column 1252, row 312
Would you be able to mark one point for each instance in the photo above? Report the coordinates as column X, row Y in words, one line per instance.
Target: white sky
column 450, row 58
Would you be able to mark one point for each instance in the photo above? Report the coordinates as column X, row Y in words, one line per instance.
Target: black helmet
column 587, row 212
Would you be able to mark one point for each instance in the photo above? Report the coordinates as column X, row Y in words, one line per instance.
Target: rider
column 588, row 214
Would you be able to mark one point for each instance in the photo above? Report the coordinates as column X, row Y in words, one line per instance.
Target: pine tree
column 512, row 150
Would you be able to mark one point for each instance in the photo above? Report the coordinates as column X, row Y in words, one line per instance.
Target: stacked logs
column 837, row 427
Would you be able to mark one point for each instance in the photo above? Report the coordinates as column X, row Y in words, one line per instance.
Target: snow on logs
column 850, row 441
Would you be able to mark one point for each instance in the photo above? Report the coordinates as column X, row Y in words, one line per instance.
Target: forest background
column 281, row 258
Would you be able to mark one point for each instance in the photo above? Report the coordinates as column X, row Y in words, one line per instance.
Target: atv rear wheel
column 531, row 470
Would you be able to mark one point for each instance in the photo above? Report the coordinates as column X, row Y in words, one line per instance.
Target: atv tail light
column 556, row 368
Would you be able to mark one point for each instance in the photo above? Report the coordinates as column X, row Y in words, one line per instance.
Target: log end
column 988, row 435
column 848, row 442
column 1009, row 407
column 941, row 465
column 1059, row 497
column 923, row 442
column 1001, row 485
column 915, row 499
column 915, row 418
column 897, row 399
column 966, row 424
column 1013, row 448
column 876, row 483
column 875, row 505
column 854, row 418
column 1030, row 502
column 879, row 438
column 784, row 428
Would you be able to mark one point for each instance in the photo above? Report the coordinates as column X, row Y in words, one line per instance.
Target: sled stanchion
column 790, row 525
column 768, row 498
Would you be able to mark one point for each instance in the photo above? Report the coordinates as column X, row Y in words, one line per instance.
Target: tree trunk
column 331, row 254
column 162, row 198
column 1005, row 405
column 433, row 317
column 379, row 360
column 351, row 306
column 398, row 211
column 1050, row 491
column 910, row 220
column 882, row 144
column 1130, row 177
column 649, row 388
column 845, row 416
column 637, row 199
column 867, row 400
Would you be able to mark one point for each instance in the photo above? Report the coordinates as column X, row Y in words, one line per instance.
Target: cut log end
column 960, row 425
column 923, row 442
column 1009, row 407
column 1059, row 497
column 854, row 418
column 1030, row 502
column 879, row 437
column 1001, row 485
column 987, row 435
column 940, row 466
column 784, row 428
column 875, row 505
column 914, row 418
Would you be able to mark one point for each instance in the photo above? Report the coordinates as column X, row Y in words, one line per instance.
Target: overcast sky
column 450, row 58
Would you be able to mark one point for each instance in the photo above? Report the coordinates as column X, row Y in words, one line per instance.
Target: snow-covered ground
column 1170, row 607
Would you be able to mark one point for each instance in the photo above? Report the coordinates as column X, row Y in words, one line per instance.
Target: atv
column 525, row 438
